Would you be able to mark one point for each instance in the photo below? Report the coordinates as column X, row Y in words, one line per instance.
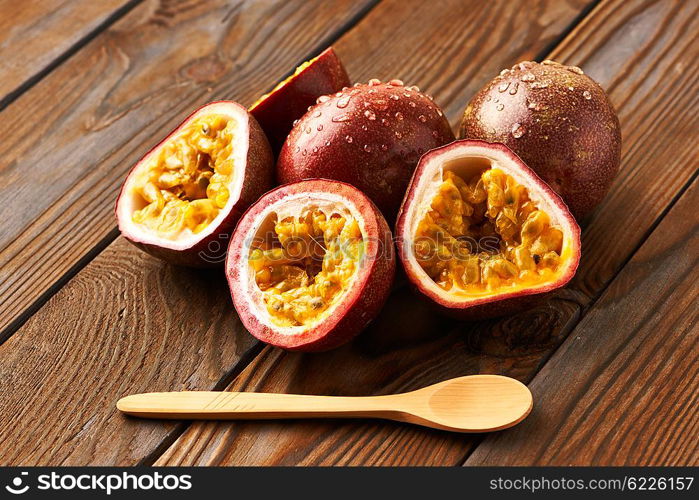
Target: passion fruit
column 480, row 234
column 370, row 136
column 181, row 201
column 559, row 121
column 310, row 265
column 288, row 101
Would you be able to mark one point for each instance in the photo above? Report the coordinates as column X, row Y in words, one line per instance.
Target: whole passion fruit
column 181, row 201
column 288, row 101
column 370, row 136
column 310, row 265
column 559, row 121
column 479, row 233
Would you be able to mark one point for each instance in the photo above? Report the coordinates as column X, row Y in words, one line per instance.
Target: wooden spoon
column 477, row 403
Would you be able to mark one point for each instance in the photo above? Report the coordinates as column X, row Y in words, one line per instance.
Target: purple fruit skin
column 370, row 136
column 559, row 121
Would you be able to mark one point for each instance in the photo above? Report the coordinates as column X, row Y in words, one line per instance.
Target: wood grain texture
column 95, row 115
column 407, row 347
column 128, row 323
column 643, row 48
column 120, row 326
column 633, row 397
column 35, row 35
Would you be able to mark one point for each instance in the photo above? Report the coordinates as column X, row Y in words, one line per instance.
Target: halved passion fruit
column 479, row 233
column 288, row 101
column 183, row 199
column 310, row 265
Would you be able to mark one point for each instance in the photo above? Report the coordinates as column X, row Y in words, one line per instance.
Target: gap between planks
column 67, row 54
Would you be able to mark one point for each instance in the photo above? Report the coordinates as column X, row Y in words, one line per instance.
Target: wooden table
column 87, row 87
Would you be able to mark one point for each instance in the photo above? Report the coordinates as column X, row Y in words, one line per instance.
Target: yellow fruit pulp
column 305, row 264
column 484, row 234
column 185, row 184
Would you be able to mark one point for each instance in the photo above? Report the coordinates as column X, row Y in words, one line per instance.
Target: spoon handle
column 248, row 405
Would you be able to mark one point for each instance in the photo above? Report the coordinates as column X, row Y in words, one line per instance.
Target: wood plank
column 633, row 396
column 37, row 35
column 95, row 115
column 643, row 52
column 404, row 349
column 128, row 323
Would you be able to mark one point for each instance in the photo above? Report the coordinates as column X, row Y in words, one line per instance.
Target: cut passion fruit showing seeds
column 290, row 99
column 183, row 199
column 479, row 233
column 310, row 265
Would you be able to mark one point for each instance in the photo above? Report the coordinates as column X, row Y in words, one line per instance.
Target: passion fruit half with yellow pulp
column 289, row 100
column 370, row 135
column 480, row 234
column 181, row 201
column 310, row 265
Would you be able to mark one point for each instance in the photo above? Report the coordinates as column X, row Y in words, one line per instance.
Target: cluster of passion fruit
column 311, row 263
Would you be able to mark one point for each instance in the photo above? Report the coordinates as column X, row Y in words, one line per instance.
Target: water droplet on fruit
column 357, row 84
column 349, row 139
column 407, row 94
column 384, row 147
column 308, row 130
column 539, row 85
column 319, row 128
column 571, row 88
column 399, row 115
column 343, row 101
column 503, row 87
column 304, row 152
column 367, row 148
column 534, row 105
column 439, row 112
column 384, row 121
column 414, row 88
column 372, row 91
column 317, row 114
column 514, row 88
column 587, row 95
column 395, row 97
column 340, row 118
column 338, row 94
column 528, row 77
column 364, row 127
column 396, row 83
column 315, row 150
column 298, row 149
column 500, row 107
column 370, row 114
column 576, row 70
column 504, row 72
column 296, row 122
column 374, row 81
column 422, row 118
column 518, row 130
column 327, row 143
column 412, row 104
column 322, row 99
column 309, row 108
column 435, row 134
column 399, row 135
